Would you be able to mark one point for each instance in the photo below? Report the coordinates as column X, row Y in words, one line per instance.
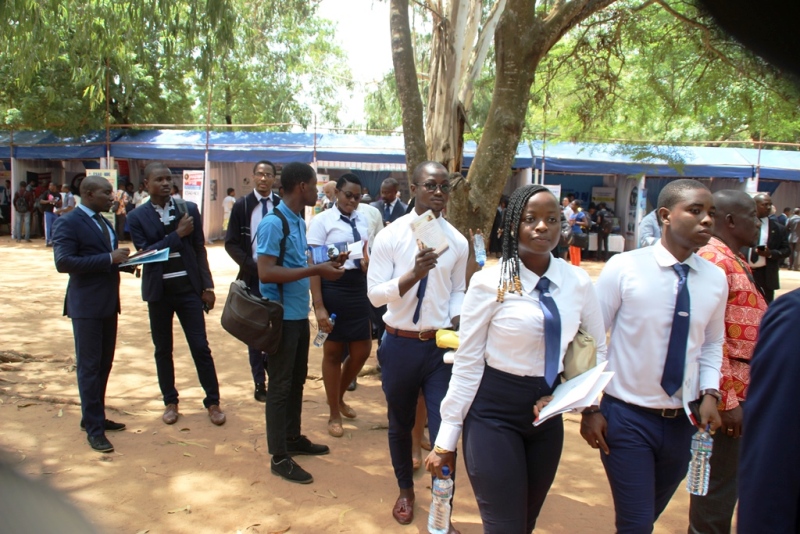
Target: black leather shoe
column 303, row 446
column 100, row 443
column 110, row 426
column 289, row 470
column 261, row 393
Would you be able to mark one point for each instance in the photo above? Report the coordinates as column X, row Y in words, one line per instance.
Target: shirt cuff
column 709, row 378
column 447, row 438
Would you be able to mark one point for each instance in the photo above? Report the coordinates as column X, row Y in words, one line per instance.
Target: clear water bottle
column 700, row 465
column 322, row 336
column 442, row 492
column 480, row 248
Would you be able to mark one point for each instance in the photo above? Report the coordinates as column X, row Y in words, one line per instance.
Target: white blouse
column 509, row 335
column 328, row 227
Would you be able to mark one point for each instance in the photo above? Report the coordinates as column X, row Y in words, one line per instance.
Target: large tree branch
column 479, row 53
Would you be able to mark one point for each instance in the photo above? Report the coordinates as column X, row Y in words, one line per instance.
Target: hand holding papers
column 149, row 256
column 580, row 392
column 428, row 232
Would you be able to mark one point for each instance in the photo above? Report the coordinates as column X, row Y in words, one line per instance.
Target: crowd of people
column 683, row 313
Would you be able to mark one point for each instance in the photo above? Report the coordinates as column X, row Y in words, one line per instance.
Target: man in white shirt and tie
column 240, row 244
column 665, row 308
column 423, row 292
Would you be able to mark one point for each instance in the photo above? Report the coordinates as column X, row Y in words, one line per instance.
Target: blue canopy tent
column 774, row 164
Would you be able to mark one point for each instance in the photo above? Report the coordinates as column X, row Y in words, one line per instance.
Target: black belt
column 667, row 413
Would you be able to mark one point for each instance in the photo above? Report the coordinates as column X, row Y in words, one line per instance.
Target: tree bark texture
column 405, row 73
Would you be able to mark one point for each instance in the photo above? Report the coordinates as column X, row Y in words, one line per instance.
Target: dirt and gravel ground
column 195, row 477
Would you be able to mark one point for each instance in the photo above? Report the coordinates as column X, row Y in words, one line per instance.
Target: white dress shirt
column 255, row 219
column 637, row 292
column 328, row 227
column 509, row 335
column 393, row 256
column 763, row 237
column 374, row 221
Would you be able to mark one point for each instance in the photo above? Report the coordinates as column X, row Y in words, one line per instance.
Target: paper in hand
column 580, row 392
column 428, row 232
column 149, row 256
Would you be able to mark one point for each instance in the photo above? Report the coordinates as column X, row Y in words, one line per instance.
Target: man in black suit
column 241, row 245
column 773, row 248
column 390, row 206
column 85, row 247
column 181, row 285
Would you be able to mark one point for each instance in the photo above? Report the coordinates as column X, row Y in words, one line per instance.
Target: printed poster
column 193, row 187
column 111, row 176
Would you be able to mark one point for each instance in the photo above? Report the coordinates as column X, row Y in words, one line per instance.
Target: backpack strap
column 180, row 207
column 282, row 253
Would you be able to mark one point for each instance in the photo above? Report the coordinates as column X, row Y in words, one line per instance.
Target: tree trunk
column 405, row 73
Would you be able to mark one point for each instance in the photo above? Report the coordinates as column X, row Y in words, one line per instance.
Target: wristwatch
column 713, row 392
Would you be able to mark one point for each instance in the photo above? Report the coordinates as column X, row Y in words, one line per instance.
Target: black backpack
column 21, row 204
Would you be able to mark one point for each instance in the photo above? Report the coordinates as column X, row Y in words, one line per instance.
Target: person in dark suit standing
column 182, row 285
column 85, row 247
column 773, row 247
column 241, row 245
column 391, row 207
column 769, row 473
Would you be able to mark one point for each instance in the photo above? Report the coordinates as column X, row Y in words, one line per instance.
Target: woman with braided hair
column 518, row 318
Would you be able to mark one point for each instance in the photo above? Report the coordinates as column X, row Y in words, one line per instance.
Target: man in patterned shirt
column 736, row 225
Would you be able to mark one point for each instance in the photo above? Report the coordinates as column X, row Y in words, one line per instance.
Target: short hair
column 732, row 201
column 510, row 268
column 577, row 203
column 91, row 184
column 296, row 173
column 422, row 166
column 231, row 190
column 390, row 182
column 787, row 209
column 266, row 162
column 155, row 167
column 23, row 183
column 601, row 206
column 674, row 191
column 347, row 178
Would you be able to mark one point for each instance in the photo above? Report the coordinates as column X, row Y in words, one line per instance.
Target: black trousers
column 189, row 309
column 511, row 463
column 95, row 340
column 287, row 370
column 257, row 356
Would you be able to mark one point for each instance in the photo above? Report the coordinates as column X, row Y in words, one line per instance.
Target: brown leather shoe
column 403, row 510
column 170, row 414
column 216, row 415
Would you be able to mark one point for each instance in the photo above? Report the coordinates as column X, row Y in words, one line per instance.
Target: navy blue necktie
column 552, row 330
column 672, row 378
column 356, row 235
column 387, row 212
column 423, row 284
column 264, row 209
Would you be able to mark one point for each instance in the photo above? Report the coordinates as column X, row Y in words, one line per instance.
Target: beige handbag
column 581, row 355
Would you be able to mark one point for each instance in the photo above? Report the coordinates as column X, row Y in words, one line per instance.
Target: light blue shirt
column 270, row 233
column 649, row 230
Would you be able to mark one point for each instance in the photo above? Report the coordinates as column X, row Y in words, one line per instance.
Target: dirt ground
column 195, row 477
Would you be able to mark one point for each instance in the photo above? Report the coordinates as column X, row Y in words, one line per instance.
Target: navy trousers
column 95, row 340
column 257, row 356
column 287, row 370
column 189, row 309
column 649, row 458
column 408, row 366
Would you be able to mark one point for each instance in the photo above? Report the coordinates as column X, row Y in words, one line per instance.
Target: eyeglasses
column 431, row 187
column 264, row 175
column 350, row 196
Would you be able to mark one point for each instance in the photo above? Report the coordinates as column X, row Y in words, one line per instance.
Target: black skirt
column 347, row 298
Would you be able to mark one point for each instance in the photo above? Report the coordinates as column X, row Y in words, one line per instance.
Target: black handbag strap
column 282, row 253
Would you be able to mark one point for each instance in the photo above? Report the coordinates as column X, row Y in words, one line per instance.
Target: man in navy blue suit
column 769, row 472
column 390, row 206
column 181, row 285
column 85, row 247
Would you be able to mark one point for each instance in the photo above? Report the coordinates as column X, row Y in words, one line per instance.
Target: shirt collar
column 87, row 210
column 353, row 216
column 529, row 279
column 664, row 257
column 259, row 197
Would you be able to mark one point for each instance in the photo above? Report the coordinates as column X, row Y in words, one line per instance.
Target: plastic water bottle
column 480, row 249
column 700, row 466
column 441, row 493
column 322, row 336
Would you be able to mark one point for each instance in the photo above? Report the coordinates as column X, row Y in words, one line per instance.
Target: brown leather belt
column 425, row 335
column 667, row 413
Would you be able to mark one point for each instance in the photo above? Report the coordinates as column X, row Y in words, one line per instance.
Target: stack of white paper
column 580, row 392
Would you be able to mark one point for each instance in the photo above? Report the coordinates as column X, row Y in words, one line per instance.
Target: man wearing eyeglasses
column 240, row 243
column 423, row 292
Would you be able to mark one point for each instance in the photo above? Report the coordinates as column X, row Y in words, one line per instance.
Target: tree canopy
column 267, row 61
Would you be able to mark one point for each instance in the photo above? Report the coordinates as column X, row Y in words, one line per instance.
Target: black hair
column 266, row 162
column 154, row 167
column 510, row 268
column 390, row 182
column 504, row 201
column 347, row 178
column 422, row 166
column 577, row 203
column 296, row 173
column 231, row 190
column 673, row 192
